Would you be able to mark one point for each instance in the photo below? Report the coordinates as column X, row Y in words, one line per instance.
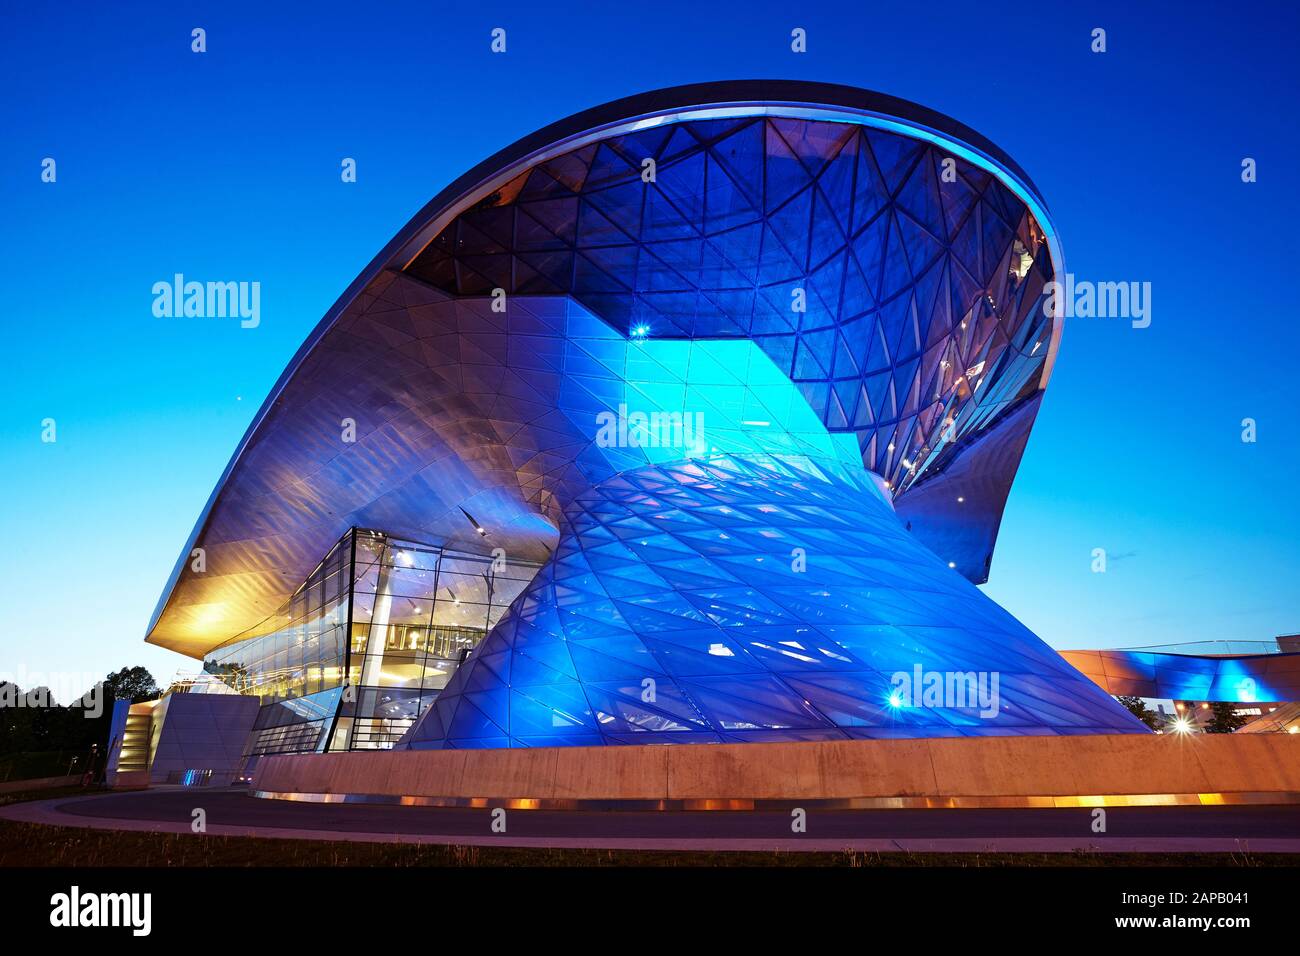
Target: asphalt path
column 1127, row 829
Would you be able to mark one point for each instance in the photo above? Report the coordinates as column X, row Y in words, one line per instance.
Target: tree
column 1139, row 709
column 17, row 732
column 135, row 684
column 1223, row 718
column 39, row 724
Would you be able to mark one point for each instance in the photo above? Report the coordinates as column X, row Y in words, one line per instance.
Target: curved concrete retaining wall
column 933, row 770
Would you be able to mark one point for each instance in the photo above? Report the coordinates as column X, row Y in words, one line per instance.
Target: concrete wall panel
column 940, row 768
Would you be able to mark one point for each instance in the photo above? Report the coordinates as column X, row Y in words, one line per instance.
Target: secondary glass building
column 733, row 378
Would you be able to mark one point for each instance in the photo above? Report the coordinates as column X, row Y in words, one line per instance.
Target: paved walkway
column 234, row 812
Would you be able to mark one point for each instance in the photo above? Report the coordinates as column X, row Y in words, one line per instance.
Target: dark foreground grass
column 27, row 844
column 46, row 793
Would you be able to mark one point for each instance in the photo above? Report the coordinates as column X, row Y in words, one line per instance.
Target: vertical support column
column 374, row 662
column 327, row 739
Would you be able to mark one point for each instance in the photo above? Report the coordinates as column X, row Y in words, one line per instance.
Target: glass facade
column 918, row 274
column 300, row 650
column 417, row 612
column 750, row 599
column 366, row 642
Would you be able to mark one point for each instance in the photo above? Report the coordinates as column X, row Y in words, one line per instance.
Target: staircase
column 133, row 762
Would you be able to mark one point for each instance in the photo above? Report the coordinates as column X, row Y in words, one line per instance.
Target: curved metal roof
column 263, row 555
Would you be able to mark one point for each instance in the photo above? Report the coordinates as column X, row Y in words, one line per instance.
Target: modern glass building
column 690, row 418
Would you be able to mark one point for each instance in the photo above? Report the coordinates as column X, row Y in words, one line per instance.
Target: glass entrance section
column 366, row 643
column 417, row 612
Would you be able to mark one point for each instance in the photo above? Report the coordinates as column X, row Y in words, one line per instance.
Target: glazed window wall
column 417, row 611
column 366, row 643
column 299, row 651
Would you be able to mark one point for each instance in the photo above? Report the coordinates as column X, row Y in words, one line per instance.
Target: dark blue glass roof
column 897, row 284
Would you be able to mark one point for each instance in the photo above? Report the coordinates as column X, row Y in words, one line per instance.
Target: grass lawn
column 26, row 844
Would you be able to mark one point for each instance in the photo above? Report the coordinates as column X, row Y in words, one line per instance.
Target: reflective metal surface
column 918, row 250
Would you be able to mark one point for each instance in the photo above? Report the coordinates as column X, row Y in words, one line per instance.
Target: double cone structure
column 747, row 370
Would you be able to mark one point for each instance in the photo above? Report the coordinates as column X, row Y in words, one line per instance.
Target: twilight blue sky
column 226, row 166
